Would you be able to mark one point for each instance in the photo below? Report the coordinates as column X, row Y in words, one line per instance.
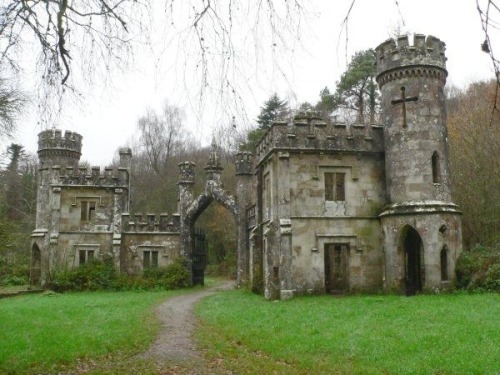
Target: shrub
column 479, row 269
column 90, row 276
column 103, row 276
column 14, row 273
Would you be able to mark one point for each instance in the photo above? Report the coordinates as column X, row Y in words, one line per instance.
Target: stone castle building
column 321, row 206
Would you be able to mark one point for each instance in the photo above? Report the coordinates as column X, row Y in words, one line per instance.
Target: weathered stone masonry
column 361, row 207
column 321, row 206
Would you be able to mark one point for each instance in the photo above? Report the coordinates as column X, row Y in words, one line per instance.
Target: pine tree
column 274, row 108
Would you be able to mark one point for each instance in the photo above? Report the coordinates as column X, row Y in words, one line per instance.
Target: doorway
column 36, row 265
column 336, row 268
column 414, row 270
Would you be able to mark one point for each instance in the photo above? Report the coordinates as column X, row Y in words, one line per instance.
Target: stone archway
column 411, row 249
column 190, row 208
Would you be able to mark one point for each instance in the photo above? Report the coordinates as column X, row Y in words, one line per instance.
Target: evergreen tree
column 357, row 89
column 13, row 193
column 274, row 108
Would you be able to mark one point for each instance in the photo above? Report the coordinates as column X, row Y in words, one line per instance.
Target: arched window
column 444, row 263
column 436, row 168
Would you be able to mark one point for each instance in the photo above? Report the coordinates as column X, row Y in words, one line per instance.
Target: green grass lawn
column 433, row 334
column 48, row 332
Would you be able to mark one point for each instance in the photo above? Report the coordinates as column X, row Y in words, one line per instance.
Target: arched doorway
column 36, row 265
column 196, row 243
column 412, row 248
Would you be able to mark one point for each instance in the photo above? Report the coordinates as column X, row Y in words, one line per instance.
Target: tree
column 163, row 141
column 327, row 103
column 11, row 104
column 475, row 166
column 162, row 135
column 13, row 194
column 274, row 108
column 357, row 89
column 100, row 36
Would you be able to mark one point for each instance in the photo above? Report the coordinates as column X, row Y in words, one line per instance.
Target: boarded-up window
column 150, row 259
column 87, row 211
column 335, row 186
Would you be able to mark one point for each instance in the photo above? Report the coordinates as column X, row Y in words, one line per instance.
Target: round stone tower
column 54, row 149
column 421, row 225
column 55, row 153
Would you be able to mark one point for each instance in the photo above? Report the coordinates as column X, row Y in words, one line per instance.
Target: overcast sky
column 107, row 117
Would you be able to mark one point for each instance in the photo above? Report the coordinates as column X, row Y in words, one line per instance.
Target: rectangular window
column 251, row 217
column 150, row 259
column 86, row 256
column 87, row 211
column 334, row 186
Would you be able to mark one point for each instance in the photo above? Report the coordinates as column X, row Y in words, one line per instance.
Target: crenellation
column 323, row 136
column 425, row 57
column 332, row 206
column 150, row 223
column 244, row 163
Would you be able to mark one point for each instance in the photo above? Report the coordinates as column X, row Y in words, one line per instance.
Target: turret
column 412, row 78
column 422, row 231
column 54, row 149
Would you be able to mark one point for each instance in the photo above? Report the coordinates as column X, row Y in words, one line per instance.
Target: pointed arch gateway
column 412, row 252
column 191, row 208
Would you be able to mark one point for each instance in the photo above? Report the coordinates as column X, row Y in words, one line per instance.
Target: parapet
column 400, row 53
column 54, row 148
column 309, row 133
column 139, row 223
column 53, row 139
column 83, row 176
column 244, row 163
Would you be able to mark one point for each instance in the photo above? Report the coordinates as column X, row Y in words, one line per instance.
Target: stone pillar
column 245, row 197
column 285, row 225
column 116, row 225
column 126, row 162
column 186, row 229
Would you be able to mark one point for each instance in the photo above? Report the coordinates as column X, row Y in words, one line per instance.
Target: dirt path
column 174, row 344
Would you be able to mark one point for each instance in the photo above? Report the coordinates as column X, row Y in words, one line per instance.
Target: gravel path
column 174, row 344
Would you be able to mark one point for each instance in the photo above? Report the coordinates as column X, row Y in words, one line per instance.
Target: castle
column 321, row 206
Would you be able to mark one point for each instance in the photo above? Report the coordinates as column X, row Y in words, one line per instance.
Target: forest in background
column 162, row 142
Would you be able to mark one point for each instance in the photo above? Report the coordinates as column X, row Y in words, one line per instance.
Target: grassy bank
column 49, row 332
column 359, row 334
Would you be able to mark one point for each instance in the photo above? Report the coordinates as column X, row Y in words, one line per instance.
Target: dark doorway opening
column 414, row 270
column 36, row 265
column 336, row 268
column 200, row 250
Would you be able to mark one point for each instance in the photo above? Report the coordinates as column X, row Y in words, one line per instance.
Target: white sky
column 107, row 116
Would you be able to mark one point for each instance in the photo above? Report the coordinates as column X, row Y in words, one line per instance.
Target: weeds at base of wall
column 14, row 273
column 478, row 270
column 103, row 276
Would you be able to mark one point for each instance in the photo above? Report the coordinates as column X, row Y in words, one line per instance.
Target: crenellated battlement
column 53, row 139
column 424, row 57
column 244, row 163
column 140, row 223
column 55, row 148
column 308, row 132
column 84, row 176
